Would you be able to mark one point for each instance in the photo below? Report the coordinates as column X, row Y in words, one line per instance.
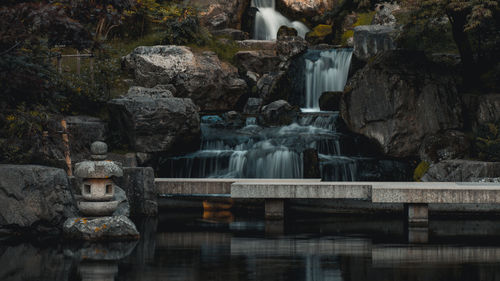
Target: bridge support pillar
column 275, row 209
column 417, row 215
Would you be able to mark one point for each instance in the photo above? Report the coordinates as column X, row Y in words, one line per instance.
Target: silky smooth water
column 201, row 248
column 268, row 21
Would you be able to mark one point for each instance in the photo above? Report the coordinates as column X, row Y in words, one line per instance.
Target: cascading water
column 252, row 151
column 268, row 21
column 325, row 71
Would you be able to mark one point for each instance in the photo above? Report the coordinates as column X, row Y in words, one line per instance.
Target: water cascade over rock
column 254, row 151
column 325, row 71
column 268, row 21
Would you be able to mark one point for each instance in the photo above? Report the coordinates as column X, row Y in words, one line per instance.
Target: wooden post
column 59, row 63
column 65, row 139
column 78, row 63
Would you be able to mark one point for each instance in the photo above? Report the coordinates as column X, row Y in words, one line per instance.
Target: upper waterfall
column 268, row 21
column 325, row 71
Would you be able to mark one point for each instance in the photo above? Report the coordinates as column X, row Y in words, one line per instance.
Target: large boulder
column 445, row 146
column 400, row 98
column 34, row 199
column 305, row 8
column 384, row 13
column 268, row 84
column 257, row 61
column 288, row 47
column 370, row 40
column 152, row 122
column 488, row 110
column 211, row 84
column 219, row 14
column 139, row 185
column 278, row 113
column 461, row 171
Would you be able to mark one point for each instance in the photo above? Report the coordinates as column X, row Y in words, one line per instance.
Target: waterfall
column 268, row 21
column 325, row 71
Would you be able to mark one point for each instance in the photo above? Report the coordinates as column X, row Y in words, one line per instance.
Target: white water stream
column 268, row 21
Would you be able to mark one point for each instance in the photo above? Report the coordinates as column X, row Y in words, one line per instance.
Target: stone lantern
column 98, row 188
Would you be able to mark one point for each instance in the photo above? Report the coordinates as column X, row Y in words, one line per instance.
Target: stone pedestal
column 274, row 209
column 418, row 235
column 114, row 228
column 417, row 215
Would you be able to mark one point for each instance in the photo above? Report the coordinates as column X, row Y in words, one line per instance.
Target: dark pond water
column 190, row 247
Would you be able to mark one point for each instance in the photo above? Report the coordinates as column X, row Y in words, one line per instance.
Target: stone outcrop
column 211, row 84
column 400, row 98
column 253, row 106
column 305, row 8
column 267, row 85
column 462, row 171
column 139, row 185
column 278, row 113
column 288, row 47
column 152, row 122
column 370, row 40
column 34, row 199
column 104, row 228
column 488, row 109
column 444, row 146
column 219, row 14
column 259, row 62
column 384, row 13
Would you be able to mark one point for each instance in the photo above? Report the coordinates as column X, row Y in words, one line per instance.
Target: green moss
column 363, row 19
column 420, row 171
column 320, row 30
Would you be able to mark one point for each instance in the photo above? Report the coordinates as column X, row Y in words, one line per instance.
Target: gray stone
column 105, row 228
column 123, row 208
column 488, row 110
column 98, row 169
column 461, row 171
column 211, row 84
column 257, row 61
column 234, row 34
column 139, row 186
column 257, row 44
column 34, row 199
column 253, row 106
column 369, row 40
column 96, row 208
column 289, row 47
column 267, row 85
column 400, row 98
column 99, row 148
column 219, row 14
column 385, row 13
column 278, row 113
column 444, row 146
column 152, row 124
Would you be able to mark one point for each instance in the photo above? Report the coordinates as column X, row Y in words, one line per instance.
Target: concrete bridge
column 416, row 197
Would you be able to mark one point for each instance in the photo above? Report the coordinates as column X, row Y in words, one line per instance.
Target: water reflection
column 311, row 250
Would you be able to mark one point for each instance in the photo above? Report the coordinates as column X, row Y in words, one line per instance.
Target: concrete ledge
column 320, row 190
column 436, row 192
column 185, row 186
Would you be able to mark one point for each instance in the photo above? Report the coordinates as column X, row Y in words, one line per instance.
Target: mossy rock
column 285, row 31
column 330, row 101
column 322, row 33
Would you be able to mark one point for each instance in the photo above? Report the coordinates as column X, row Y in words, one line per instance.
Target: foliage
column 420, row 171
column 362, row 19
column 488, row 142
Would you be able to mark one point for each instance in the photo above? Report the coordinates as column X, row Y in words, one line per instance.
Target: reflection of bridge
column 382, row 255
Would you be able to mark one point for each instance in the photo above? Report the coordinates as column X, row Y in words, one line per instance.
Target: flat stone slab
column 182, row 186
column 294, row 190
column 118, row 228
column 436, row 192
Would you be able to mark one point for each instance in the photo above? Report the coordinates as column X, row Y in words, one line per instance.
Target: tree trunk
column 458, row 21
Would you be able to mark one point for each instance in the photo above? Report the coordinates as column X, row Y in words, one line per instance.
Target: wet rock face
column 278, row 113
column 105, row 228
column 370, row 40
column 209, row 82
column 219, row 14
column 444, row 146
column 34, row 199
column 139, row 186
column 399, row 99
column 156, row 122
column 301, row 8
column 462, row 171
column 259, row 62
column 289, row 47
